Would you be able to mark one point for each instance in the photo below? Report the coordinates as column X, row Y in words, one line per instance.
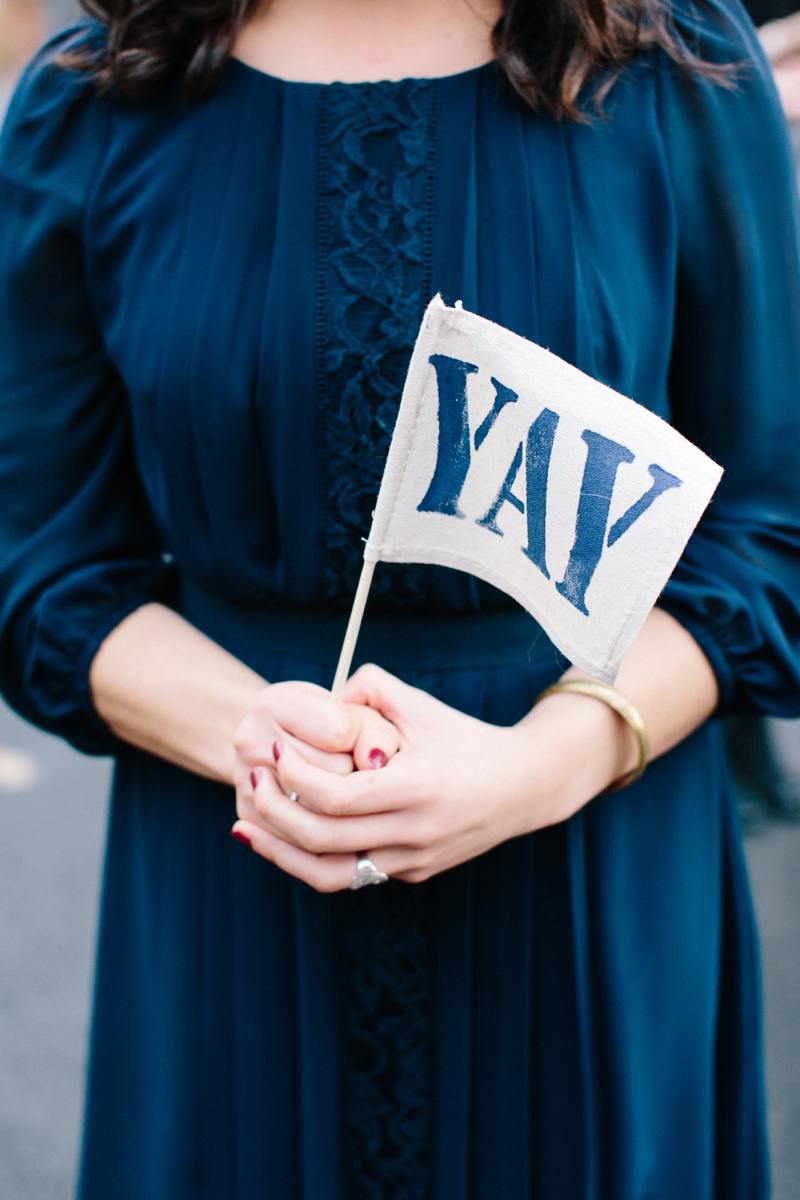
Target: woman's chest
column 274, row 249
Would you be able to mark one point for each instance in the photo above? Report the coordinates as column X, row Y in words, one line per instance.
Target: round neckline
column 361, row 83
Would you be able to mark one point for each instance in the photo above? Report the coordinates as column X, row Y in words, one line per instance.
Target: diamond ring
column 367, row 873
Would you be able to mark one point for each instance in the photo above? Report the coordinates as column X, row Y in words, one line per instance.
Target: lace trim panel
column 376, row 202
column 385, row 991
column 375, row 219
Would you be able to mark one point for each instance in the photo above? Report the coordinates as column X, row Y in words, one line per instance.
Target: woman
column 220, row 225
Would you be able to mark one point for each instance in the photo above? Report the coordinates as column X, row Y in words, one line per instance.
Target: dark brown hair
column 548, row 49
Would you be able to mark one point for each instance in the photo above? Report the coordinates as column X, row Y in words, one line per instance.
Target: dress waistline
column 415, row 641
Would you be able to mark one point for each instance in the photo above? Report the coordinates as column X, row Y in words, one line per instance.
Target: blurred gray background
column 53, row 812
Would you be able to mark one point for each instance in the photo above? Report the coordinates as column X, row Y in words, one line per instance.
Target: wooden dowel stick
column 353, row 627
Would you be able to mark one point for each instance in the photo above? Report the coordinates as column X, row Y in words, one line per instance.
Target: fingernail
column 277, row 750
column 242, row 837
column 377, row 759
column 256, row 776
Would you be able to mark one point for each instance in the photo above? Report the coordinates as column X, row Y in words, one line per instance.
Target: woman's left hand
column 458, row 786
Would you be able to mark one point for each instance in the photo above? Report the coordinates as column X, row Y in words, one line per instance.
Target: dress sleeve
column 735, row 376
column 79, row 548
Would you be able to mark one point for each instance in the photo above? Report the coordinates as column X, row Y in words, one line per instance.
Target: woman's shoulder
column 731, row 110
column 717, row 31
column 53, row 127
column 718, row 75
column 721, row 35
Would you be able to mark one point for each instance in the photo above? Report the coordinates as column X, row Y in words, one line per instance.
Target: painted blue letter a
column 453, row 454
column 538, row 448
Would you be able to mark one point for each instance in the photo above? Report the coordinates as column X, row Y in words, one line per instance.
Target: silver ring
column 293, row 796
column 367, row 873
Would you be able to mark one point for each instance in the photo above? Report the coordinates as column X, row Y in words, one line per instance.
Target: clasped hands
column 396, row 774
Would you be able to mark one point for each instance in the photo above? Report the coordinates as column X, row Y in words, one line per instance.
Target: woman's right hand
column 331, row 735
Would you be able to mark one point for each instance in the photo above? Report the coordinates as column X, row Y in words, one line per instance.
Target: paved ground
column 52, row 827
column 52, row 822
column 774, row 858
column 773, row 855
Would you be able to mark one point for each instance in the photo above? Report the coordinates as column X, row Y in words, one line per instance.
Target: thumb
column 387, row 694
column 378, row 739
column 310, row 714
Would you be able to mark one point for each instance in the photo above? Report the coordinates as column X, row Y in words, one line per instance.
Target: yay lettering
column 459, row 453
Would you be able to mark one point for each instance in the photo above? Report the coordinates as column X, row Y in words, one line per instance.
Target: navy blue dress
column 206, row 312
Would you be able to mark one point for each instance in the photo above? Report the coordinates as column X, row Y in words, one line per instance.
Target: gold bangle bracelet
column 629, row 713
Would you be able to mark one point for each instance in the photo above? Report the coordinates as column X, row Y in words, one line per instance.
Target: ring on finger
column 367, row 873
column 293, row 796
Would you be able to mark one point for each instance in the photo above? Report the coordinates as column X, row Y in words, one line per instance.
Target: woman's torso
column 259, row 265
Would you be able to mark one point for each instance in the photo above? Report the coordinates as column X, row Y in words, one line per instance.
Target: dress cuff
column 719, row 664
column 62, row 636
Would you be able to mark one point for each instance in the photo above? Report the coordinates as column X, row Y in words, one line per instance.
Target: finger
column 319, row 833
column 359, row 793
column 267, row 783
column 326, row 760
column 311, row 715
column 378, row 740
column 256, row 737
column 327, row 873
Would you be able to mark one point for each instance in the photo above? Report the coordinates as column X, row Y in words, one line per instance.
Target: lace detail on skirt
column 375, row 223
column 385, row 988
column 375, row 210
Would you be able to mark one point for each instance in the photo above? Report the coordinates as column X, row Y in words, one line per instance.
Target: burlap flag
column 510, row 464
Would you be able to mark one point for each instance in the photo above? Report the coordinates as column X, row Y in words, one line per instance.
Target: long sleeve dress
column 206, row 312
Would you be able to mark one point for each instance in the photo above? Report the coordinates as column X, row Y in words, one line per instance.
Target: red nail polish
column 242, row 837
column 377, row 759
column 277, row 750
column 255, row 777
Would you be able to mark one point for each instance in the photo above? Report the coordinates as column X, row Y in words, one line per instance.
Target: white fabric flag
column 510, row 464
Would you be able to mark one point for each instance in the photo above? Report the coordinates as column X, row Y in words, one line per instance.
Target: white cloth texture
column 510, row 464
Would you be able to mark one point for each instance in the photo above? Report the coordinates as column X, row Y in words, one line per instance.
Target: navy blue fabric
column 589, row 994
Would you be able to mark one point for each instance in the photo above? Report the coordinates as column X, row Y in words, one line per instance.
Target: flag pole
column 353, row 627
